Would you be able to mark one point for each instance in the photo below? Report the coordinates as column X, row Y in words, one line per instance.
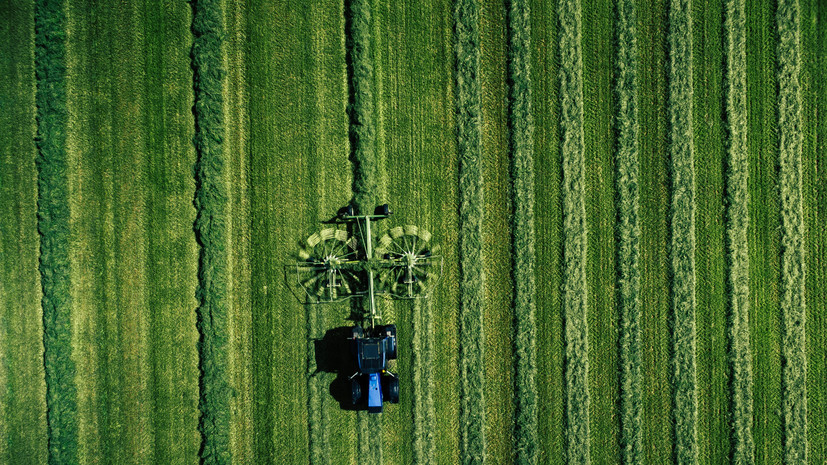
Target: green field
column 630, row 199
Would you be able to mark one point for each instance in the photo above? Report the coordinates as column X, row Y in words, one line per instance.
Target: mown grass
column 498, row 315
column 418, row 107
column 521, row 126
column 601, row 266
column 549, row 238
column 53, row 225
column 713, row 423
column 362, row 105
column 737, row 234
column 211, row 200
column 628, row 234
column 575, row 288
column 472, row 286
column 814, row 159
column 793, row 253
column 685, row 413
column 23, row 427
column 237, row 156
column 764, row 231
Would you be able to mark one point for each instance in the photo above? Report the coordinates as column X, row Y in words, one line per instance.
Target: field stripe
column 685, row 412
column 23, row 427
column 709, row 153
column 424, row 450
column 764, row 231
column 628, row 179
column 601, row 219
column 237, row 143
column 814, row 41
column 472, row 286
column 548, row 196
column 737, row 237
column 211, row 200
column 575, row 289
column 793, row 256
column 521, row 126
column 362, row 105
column 53, row 224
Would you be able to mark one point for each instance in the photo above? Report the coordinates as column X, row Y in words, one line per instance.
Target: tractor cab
column 373, row 383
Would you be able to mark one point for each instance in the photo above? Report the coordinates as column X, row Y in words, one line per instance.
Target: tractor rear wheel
column 356, row 332
column 390, row 333
column 393, row 389
column 355, row 391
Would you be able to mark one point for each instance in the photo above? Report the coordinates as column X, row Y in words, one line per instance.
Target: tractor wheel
column 390, row 333
column 384, row 210
column 356, row 332
column 355, row 391
column 393, row 389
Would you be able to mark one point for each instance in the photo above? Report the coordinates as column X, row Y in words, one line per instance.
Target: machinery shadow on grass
column 334, row 355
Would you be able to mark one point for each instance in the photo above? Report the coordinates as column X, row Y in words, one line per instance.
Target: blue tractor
column 334, row 266
column 373, row 384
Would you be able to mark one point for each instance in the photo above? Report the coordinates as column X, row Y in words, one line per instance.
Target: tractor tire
column 390, row 333
column 355, row 391
column 383, row 210
column 356, row 332
column 392, row 383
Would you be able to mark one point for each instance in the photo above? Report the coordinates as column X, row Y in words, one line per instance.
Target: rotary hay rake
column 333, row 266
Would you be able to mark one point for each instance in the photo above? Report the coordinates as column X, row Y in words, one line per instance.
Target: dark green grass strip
column 521, row 125
column 472, row 339
column 628, row 233
column 548, row 211
column 575, row 288
column 211, row 231
column 654, row 229
column 764, row 230
column 601, row 219
column 814, row 39
column 362, row 105
column 684, row 387
column 710, row 251
column 53, row 225
column 737, row 227
column 793, row 236
column 23, row 431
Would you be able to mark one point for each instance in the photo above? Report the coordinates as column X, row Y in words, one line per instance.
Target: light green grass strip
column 211, row 199
column 316, row 384
column 684, row 378
column 628, row 180
column 362, row 106
column 575, row 289
column 424, row 446
column 521, row 126
column 472, row 286
column 53, row 225
column 743, row 447
column 793, row 235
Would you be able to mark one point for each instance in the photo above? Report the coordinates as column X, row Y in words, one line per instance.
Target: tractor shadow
column 334, row 355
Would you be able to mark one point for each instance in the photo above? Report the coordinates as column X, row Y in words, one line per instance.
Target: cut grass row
column 363, row 118
column 53, row 225
column 793, row 265
column 738, row 225
column 684, row 387
column 521, row 126
column 575, row 288
column 471, row 214
column 211, row 199
column 628, row 180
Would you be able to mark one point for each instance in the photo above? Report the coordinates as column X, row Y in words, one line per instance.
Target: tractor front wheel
column 355, row 391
